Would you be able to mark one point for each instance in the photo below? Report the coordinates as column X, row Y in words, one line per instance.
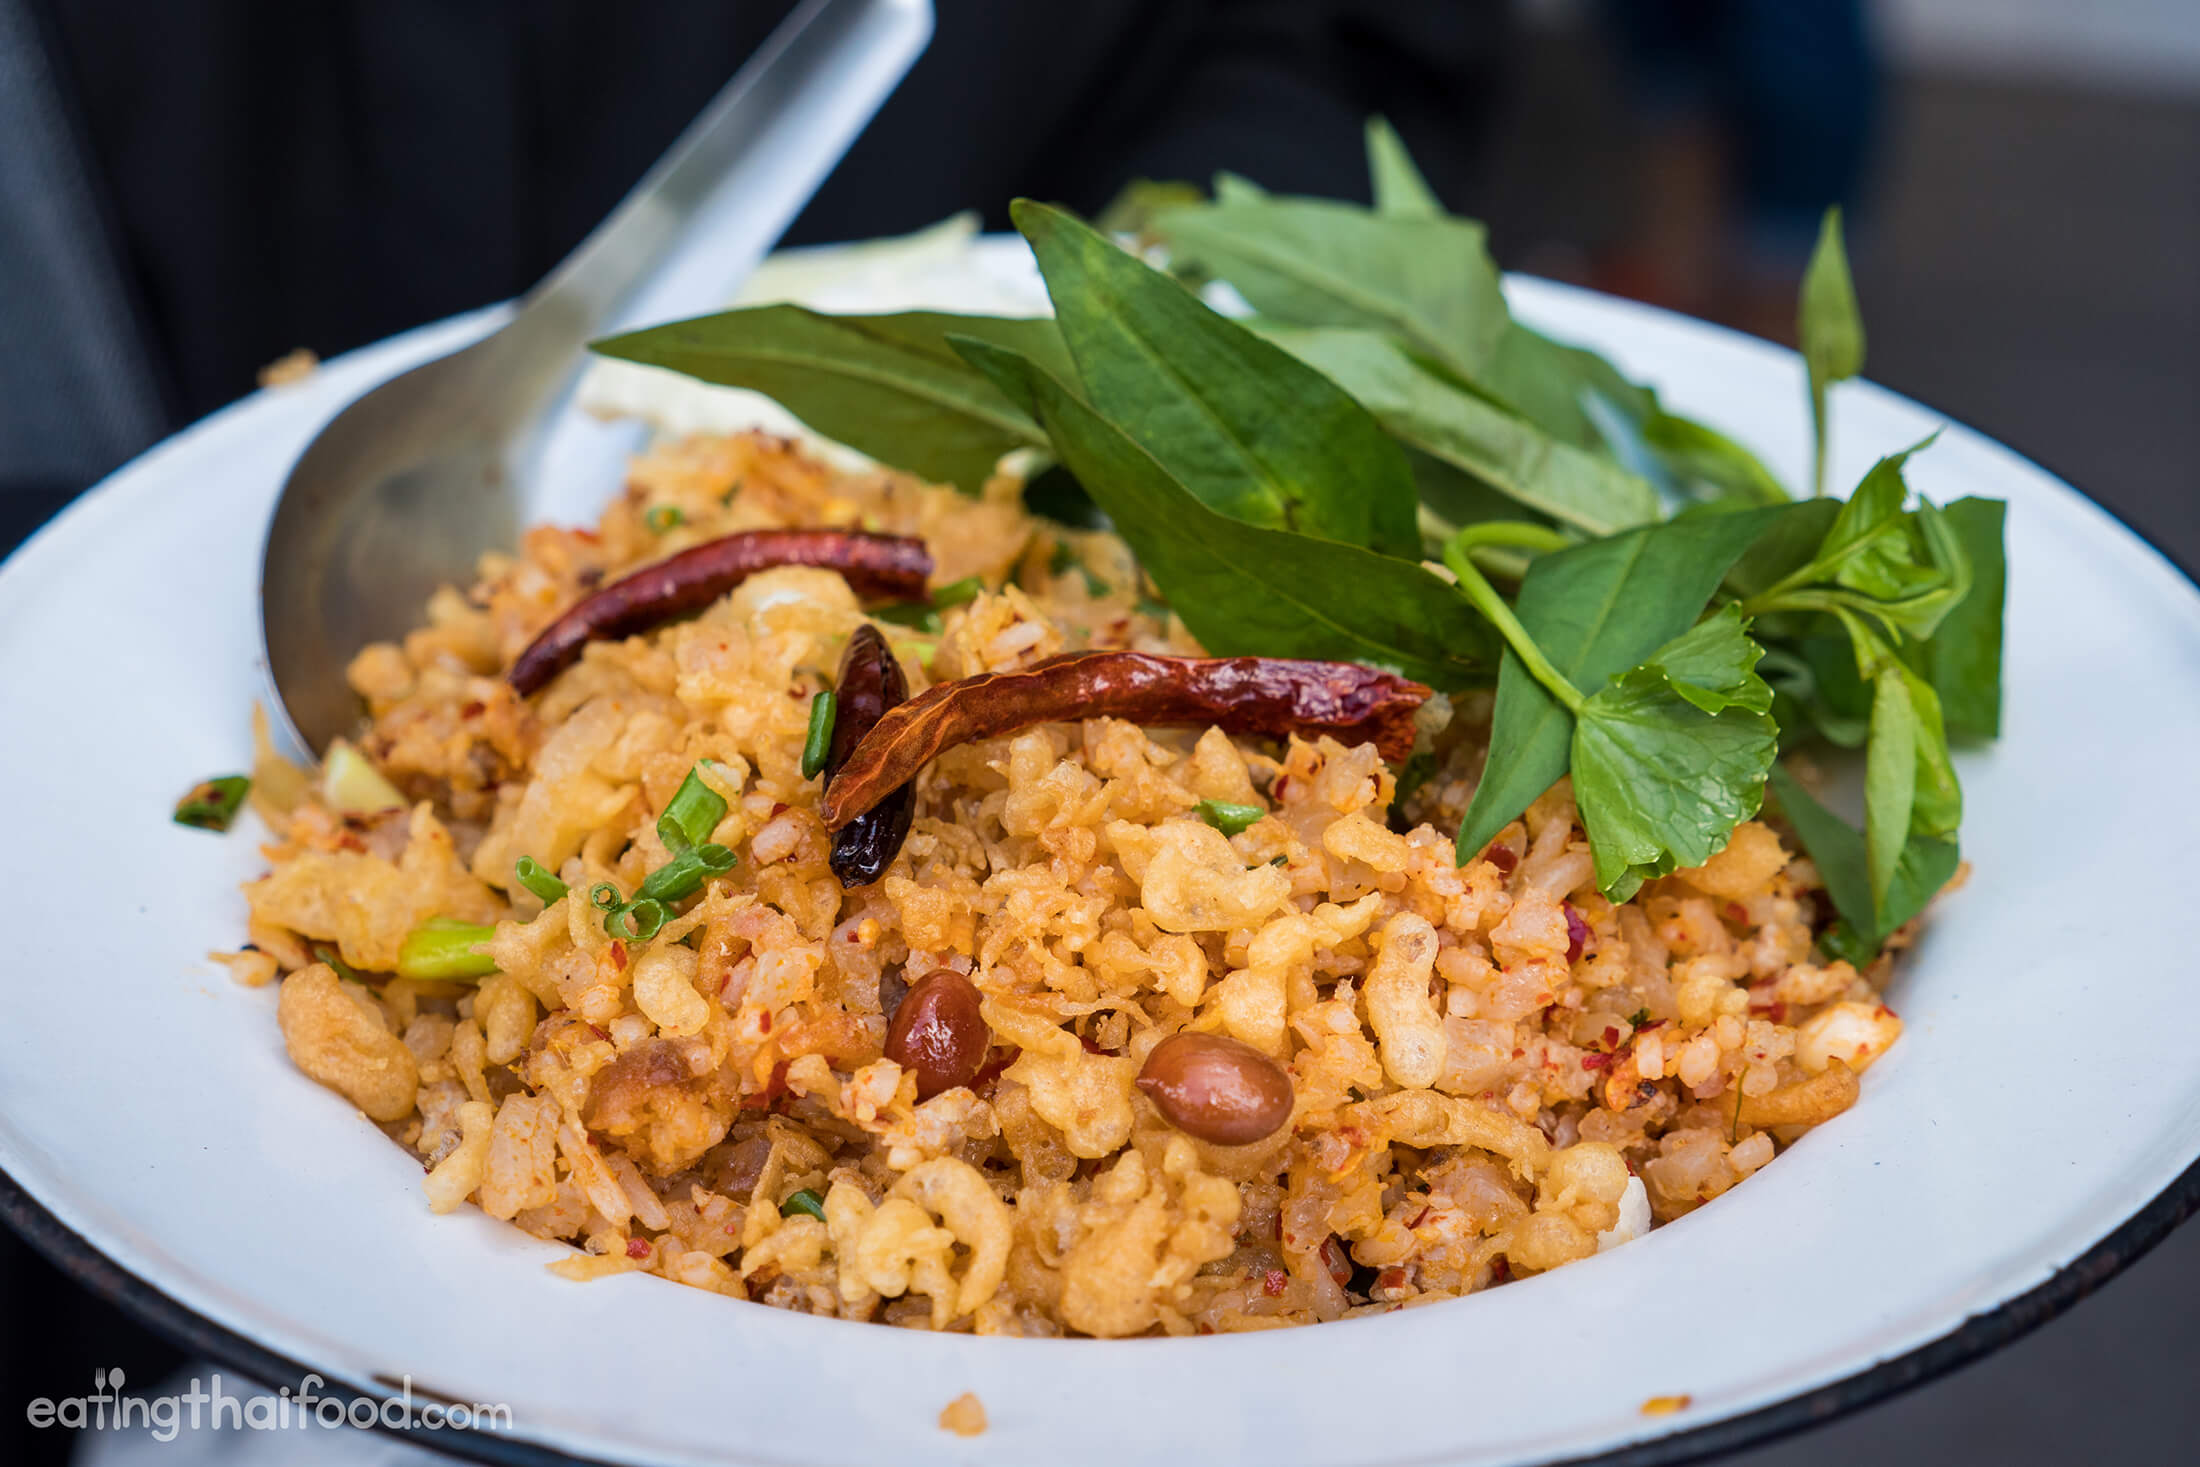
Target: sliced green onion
column 213, row 803
column 536, row 878
column 1228, row 818
column 663, row 517
column 684, row 874
column 955, row 593
column 638, row 920
column 605, row 897
column 804, row 1201
column 693, row 814
column 442, row 949
column 819, row 741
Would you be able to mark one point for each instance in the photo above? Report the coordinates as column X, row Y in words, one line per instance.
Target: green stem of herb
column 536, row 878
column 819, row 741
column 1817, row 438
column 441, row 949
column 1492, row 606
column 1520, row 534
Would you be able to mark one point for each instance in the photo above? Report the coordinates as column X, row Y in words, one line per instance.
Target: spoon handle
column 712, row 206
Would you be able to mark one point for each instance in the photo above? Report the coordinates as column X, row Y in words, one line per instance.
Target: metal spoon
column 403, row 490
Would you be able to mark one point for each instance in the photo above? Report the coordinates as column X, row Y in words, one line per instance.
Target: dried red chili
column 869, row 684
column 878, row 567
column 1255, row 695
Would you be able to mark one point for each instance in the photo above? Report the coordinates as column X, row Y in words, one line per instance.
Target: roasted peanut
column 1216, row 1089
column 938, row 1034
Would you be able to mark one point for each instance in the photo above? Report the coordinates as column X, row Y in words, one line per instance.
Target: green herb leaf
column 1250, row 431
column 1595, row 611
column 1549, row 383
column 887, row 385
column 1400, row 190
column 1428, row 280
column 443, row 950
column 1831, row 331
column 1963, row 659
column 1890, row 780
column 1837, row 849
column 693, row 812
column 818, row 742
column 1228, row 818
column 212, row 804
column 805, row 1202
column 539, row 879
column 1506, row 452
column 1662, row 777
column 1242, row 589
column 1701, row 455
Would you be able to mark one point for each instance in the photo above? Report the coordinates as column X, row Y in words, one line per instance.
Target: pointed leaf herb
column 886, row 385
column 1248, row 430
column 1831, row 331
column 1963, row 659
column 1837, row 849
column 1241, row 589
column 1400, row 190
column 1506, row 452
column 806, row 1202
column 1428, row 280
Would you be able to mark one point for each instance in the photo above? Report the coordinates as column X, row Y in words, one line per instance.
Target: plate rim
column 1975, row 1337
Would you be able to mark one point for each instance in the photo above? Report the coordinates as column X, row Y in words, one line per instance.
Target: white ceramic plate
column 2042, row 1101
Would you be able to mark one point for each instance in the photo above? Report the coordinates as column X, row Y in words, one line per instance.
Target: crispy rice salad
column 1339, row 837
column 1139, row 1029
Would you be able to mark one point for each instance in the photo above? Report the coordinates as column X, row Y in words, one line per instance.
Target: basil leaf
column 1670, row 756
column 1702, row 455
column 888, row 386
column 1506, row 452
column 1963, row 659
column 1243, row 589
column 1831, row 330
column 1595, row 610
column 1400, row 190
column 1251, row 431
column 1939, row 805
column 1890, row 780
column 1548, row 383
column 1311, row 262
column 1713, row 665
column 1837, row 849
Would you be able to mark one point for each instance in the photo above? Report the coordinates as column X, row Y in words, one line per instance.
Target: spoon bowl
column 405, row 488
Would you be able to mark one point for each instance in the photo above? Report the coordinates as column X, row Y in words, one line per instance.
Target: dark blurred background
column 192, row 188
